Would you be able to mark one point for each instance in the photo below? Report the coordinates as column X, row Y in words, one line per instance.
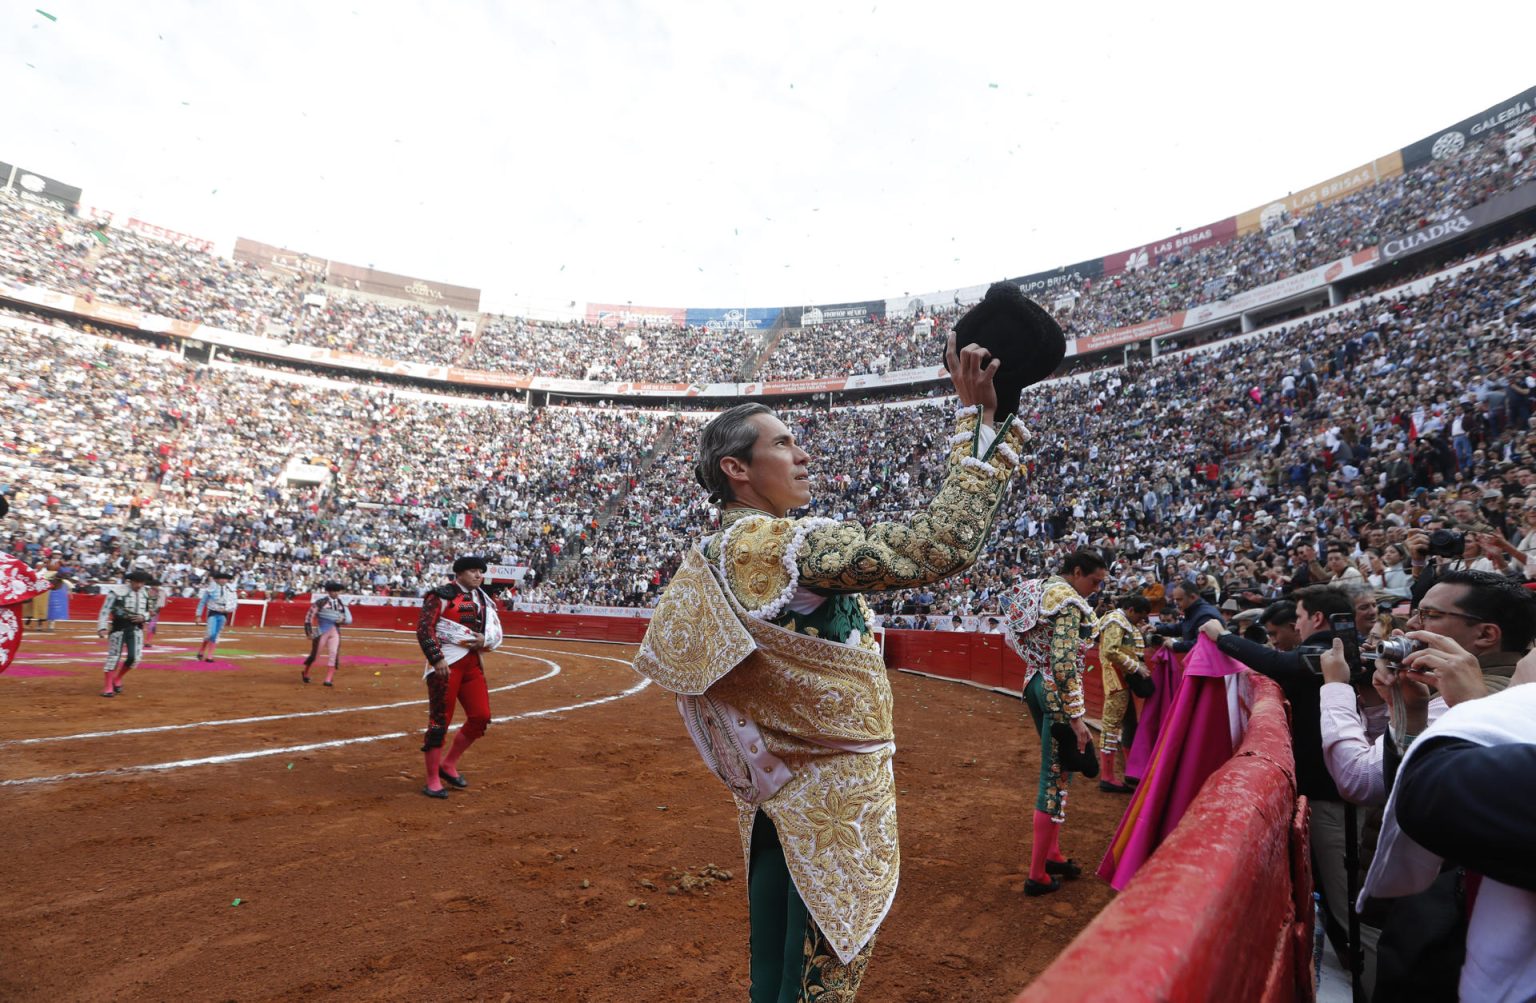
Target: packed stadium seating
column 1202, row 462
column 125, row 267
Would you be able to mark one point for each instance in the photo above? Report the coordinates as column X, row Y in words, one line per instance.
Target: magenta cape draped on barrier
column 1194, row 736
column 1166, row 676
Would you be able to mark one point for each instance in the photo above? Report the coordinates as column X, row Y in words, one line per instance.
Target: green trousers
column 1051, row 795
column 791, row 961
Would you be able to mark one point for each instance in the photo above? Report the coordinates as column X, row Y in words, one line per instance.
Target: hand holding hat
column 1017, row 334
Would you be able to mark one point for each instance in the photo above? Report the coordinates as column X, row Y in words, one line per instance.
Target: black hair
column 1281, row 614
column 1136, row 604
column 1329, row 600
column 1083, row 561
column 729, row 433
column 1497, row 600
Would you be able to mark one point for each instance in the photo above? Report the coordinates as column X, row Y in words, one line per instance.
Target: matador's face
column 779, row 474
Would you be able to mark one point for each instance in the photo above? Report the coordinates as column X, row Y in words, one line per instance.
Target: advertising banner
column 1150, row 254
column 832, row 313
column 1041, row 284
column 907, row 305
column 1304, row 201
column 1515, row 112
column 271, row 258
column 1127, row 335
column 426, row 292
column 733, row 319
column 1308, row 281
column 167, row 235
column 39, row 189
column 783, row 387
column 1497, row 208
column 629, row 315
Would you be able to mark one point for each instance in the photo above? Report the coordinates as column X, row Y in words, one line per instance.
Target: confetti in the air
column 993, row 86
column 46, row 14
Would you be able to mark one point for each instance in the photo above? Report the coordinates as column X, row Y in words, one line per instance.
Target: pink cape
column 1194, row 737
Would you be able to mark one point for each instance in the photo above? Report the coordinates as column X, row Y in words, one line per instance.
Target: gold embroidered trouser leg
column 1114, row 716
column 791, row 960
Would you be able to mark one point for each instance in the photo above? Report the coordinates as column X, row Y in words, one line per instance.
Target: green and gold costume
column 1048, row 623
column 763, row 634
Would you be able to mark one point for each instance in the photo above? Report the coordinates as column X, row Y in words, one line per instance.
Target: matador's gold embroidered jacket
column 763, row 625
column 1120, row 648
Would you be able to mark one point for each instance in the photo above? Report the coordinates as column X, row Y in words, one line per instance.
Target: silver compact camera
column 1395, row 649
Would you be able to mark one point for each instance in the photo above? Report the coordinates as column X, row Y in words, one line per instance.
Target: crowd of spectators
column 123, row 267
column 662, row 353
column 117, row 455
column 1343, row 432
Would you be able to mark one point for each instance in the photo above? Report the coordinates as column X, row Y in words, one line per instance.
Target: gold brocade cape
column 836, row 817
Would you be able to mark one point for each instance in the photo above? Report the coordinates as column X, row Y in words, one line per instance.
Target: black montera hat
column 1015, row 330
column 140, row 576
column 333, row 587
column 222, row 575
column 469, row 563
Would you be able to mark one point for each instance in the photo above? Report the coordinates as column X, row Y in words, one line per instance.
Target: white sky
column 725, row 154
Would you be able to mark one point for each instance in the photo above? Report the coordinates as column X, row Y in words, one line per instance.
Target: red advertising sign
column 1126, row 335
column 1150, row 254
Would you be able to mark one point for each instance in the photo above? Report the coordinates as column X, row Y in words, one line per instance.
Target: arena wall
column 1221, row 911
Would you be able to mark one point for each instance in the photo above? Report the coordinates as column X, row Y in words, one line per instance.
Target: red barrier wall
column 1215, row 914
column 982, row 659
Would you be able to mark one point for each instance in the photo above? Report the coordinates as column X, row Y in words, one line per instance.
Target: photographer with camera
column 1321, row 610
column 1439, row 550
column 1466, row 618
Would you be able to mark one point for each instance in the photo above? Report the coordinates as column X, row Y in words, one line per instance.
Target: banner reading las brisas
column 1335, row 188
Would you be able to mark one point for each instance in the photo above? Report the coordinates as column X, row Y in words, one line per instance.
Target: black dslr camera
column 1447, row 543
column 1343, row 627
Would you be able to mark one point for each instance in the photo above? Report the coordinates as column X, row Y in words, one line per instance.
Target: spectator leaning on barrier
column 1197, row 612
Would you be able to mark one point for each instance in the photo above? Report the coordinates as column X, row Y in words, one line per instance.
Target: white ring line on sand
column 554, row 670
column 236, row 757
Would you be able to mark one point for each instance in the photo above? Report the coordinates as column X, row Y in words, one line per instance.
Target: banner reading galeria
column 1516, row 111
column 1497, row 208
column 629, row 315
column 1150, row 254
column 733, row 318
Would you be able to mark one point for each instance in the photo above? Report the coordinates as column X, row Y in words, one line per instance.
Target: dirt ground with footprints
column 221, row 831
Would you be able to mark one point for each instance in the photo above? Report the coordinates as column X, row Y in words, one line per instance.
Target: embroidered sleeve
column 202, row 604
column 933, row 544
column 1110, row 639
column 1064, row 684
column 104, row 618
column 313, row 614
column 426, row 627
